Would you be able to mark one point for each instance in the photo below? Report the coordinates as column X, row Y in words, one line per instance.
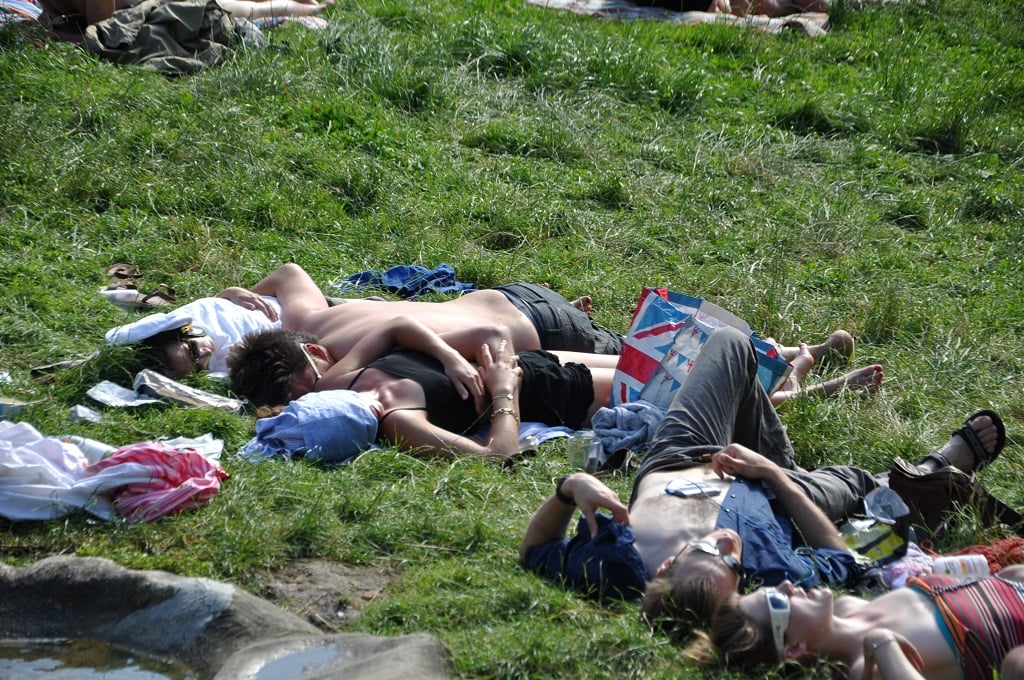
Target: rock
column 214, row 628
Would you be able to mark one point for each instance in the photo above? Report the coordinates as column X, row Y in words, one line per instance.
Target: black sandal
column 982, row 457
column 967, row 433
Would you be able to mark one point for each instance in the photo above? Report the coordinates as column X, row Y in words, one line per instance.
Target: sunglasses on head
column 778, row 614
column 709, row 548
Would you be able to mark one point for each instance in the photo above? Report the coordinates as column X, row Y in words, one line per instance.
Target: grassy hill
column 870, row 180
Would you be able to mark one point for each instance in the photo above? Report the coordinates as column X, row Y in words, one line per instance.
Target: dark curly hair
column 262, row 365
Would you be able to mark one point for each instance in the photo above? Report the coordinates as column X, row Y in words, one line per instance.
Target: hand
column 589, row 494
column 736, row 459
column 249, row 300
column 500, row 370
column 880, row 638
column 467, row 379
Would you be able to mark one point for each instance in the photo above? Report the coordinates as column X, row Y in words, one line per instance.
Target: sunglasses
column 193, row 351
column 709, row 548
column 312, row 364
column 778, row 613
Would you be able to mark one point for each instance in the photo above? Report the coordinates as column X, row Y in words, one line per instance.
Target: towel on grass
column 627, row 426
column 407, row 280
column 44, row 478
column 810, row 23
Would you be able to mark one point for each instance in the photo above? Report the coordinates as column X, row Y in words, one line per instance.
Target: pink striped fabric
column 181, row 479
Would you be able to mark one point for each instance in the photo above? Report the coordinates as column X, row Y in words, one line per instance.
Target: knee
column 1012, row 667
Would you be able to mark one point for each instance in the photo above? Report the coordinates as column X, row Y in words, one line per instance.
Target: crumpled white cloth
column 44, row 478
column 627, row 426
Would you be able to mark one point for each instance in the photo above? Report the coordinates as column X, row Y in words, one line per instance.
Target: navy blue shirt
column 609, row 565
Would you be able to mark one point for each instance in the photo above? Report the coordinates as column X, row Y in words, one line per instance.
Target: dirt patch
column 330, row 595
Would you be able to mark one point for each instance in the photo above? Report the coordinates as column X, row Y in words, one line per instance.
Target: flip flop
column 981, row 457
column 130, row 299
column 124, row 284
column 123, row 270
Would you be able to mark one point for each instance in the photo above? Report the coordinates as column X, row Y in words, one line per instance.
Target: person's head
column 179, row 351
column 769, row 626
column 689, row 587
column 274, row 366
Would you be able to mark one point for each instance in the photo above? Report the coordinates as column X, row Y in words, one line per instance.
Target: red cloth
column 1002, row 553
column 181, row 479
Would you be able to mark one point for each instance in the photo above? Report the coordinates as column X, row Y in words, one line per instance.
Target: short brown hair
column 262, row 365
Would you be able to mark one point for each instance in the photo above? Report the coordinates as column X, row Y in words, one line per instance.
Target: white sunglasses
column 778, row 613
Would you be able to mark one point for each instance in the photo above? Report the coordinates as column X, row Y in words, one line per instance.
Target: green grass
column 869, row 179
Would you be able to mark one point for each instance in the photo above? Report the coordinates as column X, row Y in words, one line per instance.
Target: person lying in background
column 425, row 403
column 68, row 19
column 939, row 626
column 769, row 8
column 533, row 316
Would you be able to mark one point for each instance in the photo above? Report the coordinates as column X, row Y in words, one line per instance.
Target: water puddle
column 295, row 665
column 82, row 660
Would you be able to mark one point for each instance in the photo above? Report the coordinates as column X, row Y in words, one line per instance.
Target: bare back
column 342, row 326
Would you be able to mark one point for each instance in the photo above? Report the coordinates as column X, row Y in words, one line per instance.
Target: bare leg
column 839, row 344
column 866, row 379
column 602, row 390
column 591, row 361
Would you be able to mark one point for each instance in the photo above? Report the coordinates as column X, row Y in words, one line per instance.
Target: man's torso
column 663, row 523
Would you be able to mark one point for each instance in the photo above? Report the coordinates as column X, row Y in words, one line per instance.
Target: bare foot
column 958, row 453
column 584, row 303
column 839, row 344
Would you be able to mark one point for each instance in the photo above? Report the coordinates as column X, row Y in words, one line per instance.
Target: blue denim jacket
column 610, row 566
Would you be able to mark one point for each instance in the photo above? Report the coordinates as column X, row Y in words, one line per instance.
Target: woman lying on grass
column 69, row 18
column 420, row 403
column 938, row 627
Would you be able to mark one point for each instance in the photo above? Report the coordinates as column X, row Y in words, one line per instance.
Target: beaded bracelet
column 507, row 410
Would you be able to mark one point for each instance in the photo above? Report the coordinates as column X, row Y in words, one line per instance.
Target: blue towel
column 627, row 426
column 409, row 281
column 333, row 426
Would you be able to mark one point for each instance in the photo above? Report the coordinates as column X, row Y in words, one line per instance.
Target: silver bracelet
column 879, row 644
column 508, row 396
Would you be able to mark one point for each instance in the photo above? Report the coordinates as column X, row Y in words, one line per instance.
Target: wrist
column 560, row 492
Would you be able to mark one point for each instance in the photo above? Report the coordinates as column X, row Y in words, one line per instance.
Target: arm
column 816, row 528
column 248, row 300
column 297, row 293
column 407, row 332
column 551, row 521
column 501, row 376
column 894, row 656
